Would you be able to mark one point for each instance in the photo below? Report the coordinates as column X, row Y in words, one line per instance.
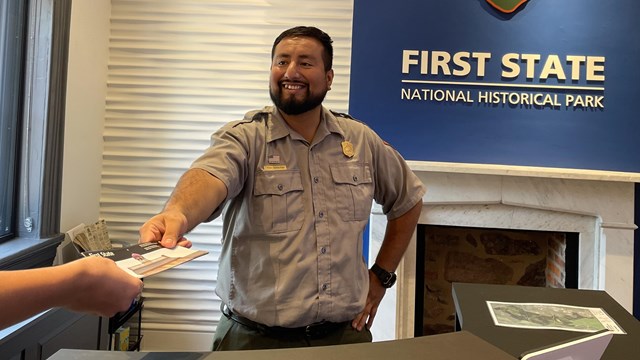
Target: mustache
column 292, row 82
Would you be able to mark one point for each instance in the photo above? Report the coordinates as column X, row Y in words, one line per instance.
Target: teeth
column 292, row 87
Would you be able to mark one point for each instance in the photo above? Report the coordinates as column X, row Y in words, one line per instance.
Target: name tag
column 275, row 167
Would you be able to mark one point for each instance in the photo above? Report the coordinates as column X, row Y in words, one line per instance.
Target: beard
column 293, row 106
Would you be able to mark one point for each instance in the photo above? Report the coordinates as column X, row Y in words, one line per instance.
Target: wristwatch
column 386, row 278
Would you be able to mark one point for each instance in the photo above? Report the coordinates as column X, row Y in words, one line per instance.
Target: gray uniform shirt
column 295, row 213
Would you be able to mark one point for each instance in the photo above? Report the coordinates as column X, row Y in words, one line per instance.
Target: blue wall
column 596, row 130
column 587, row 120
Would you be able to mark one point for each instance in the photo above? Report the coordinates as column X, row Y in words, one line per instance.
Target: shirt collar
column 278, row 127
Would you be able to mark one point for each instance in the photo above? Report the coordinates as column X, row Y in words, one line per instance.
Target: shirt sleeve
column 398, row 188
column 226, row 159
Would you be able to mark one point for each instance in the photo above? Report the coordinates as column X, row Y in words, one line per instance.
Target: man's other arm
column 396, row 240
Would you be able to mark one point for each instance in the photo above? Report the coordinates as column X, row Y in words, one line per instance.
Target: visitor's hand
column 101, row 287
column 166, row 228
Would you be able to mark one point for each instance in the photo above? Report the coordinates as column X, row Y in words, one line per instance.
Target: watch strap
column 387, row 278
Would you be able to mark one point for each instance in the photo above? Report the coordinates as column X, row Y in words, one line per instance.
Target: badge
column 347, row 149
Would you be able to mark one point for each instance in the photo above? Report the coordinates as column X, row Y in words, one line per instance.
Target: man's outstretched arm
column 196, row 196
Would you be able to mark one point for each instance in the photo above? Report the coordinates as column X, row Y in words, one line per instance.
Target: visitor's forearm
column 29, row 292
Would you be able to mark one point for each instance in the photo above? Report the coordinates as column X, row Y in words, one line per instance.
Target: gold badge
column 347, row 149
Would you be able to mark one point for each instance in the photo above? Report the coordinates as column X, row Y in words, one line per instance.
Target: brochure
column 142, row 260
column 552, row 316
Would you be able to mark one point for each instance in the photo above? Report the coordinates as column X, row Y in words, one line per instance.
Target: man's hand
column 167, row 228
column 396, row 239
column 374, row 297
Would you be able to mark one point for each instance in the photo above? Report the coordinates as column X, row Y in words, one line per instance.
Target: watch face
column 391, row 279
column 386, row 278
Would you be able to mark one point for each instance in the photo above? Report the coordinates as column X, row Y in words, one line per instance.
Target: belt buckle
column 312, row 329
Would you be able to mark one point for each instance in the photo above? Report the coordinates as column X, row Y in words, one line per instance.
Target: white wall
column 84, row 120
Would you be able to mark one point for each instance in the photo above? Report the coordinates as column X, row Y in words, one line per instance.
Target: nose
column 292, row 71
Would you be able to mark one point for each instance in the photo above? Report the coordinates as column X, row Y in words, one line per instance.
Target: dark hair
column 310, row 32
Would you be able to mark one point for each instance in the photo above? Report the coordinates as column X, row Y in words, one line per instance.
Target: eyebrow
column 288, row 56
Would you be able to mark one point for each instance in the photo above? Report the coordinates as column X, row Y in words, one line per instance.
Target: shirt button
column 280, row 187
column 323, row 250
column 315, row 179
column 321, row 214
column 355, row 178
column 324, row 287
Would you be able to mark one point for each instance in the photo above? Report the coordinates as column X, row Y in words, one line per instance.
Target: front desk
column 459, row 345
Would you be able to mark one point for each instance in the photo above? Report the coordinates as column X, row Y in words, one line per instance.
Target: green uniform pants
column 233, row 336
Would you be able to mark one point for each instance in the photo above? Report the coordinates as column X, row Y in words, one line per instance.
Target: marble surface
column 527, row 171
column 598, row 208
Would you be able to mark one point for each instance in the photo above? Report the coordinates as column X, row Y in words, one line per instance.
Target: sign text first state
column 460, row 64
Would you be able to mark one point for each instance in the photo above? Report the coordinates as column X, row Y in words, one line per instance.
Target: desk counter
column 453, row 346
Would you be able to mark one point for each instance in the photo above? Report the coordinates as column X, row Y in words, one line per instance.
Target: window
column 12, row 37
column 33, row 59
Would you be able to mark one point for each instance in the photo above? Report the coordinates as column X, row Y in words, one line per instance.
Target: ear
column 329, row 76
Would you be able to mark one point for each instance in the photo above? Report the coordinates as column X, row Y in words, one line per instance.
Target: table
column 452, row 346
column 472, row 314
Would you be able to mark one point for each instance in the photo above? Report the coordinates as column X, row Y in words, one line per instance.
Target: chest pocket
column 354, row 190
column 277, row 201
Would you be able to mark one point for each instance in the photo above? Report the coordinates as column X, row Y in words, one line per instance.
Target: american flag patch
column 273, row 159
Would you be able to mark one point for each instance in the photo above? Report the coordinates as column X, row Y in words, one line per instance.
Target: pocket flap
column 277, row 182
column 353, row 174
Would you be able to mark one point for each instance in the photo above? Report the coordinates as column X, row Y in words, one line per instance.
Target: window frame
column 13, row 16
column 42, row 139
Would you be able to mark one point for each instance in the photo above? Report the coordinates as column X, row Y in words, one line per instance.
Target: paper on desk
column 552, row 316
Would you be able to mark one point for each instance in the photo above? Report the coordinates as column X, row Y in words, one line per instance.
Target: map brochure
column 146, row 259
column 552, row 316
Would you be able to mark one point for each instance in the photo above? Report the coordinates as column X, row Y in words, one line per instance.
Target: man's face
column 298, row 81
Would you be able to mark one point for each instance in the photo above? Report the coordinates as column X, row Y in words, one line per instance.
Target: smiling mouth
column 289, row 86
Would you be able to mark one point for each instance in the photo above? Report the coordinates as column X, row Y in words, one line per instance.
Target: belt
column 314, row 331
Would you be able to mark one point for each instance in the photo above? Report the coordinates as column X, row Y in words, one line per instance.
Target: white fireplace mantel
column 599, row 205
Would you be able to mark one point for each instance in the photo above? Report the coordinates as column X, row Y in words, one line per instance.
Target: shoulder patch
column 251, row 116
column 255, row 115
column 260, row 115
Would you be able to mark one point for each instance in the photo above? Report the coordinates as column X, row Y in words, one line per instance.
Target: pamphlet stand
column 133, row 314
column 472, row 314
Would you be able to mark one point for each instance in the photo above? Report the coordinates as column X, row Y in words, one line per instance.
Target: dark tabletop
column 473, row 315
column 453, row 346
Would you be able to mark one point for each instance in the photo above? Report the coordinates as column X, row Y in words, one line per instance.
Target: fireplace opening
column 447, row 254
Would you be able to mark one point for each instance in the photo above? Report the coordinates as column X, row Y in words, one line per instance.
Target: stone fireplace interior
column 596, row 208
